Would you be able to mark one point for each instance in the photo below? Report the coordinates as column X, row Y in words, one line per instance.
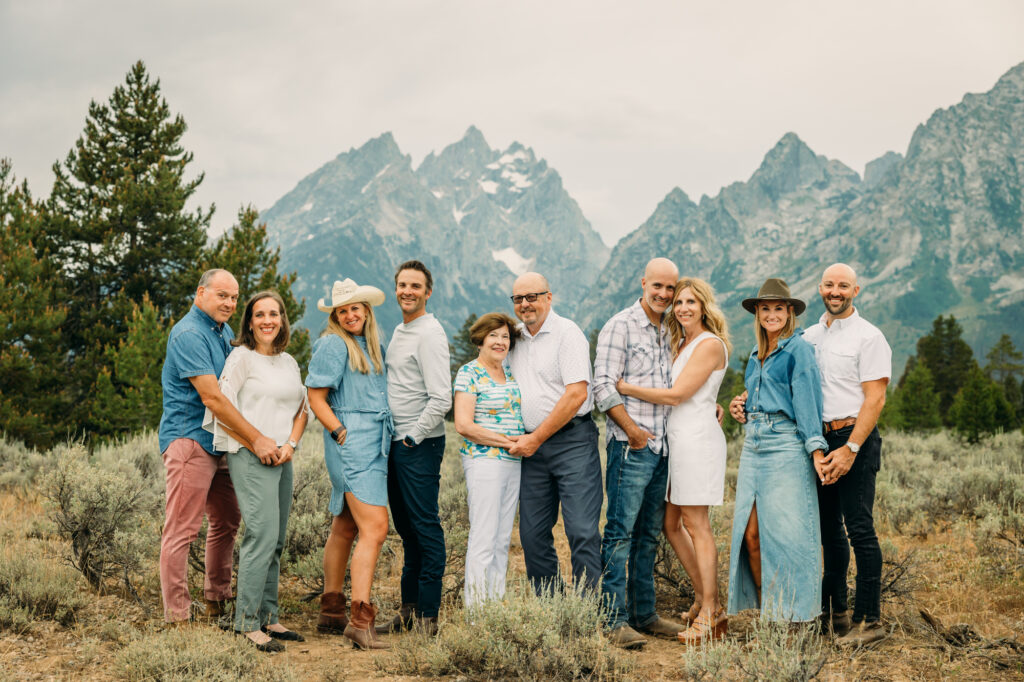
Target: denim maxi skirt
column 778, row 475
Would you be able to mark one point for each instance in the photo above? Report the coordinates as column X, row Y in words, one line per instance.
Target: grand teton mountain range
column 936, row 229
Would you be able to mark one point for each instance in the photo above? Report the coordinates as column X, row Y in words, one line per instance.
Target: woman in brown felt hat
column 347, row 384
column 776, row 538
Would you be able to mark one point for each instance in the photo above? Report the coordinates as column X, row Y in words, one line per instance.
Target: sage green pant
column 265, row 499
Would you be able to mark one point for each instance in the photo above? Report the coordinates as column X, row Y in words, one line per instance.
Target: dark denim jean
column 846, row 509
column 636, row 483
column 414, row 479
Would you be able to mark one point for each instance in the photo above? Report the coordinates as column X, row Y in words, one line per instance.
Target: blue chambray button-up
column 196, row 346
column 789, row 382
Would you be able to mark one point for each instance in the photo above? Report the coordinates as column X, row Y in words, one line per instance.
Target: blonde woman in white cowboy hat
column 348, row 393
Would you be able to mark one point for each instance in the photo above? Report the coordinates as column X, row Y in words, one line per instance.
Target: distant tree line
column 96, row 274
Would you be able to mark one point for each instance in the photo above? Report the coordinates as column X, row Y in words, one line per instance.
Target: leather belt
column 575, row 421
column 837, row 424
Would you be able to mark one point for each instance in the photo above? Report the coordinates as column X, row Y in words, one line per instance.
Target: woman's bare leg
column 698, row 525
column 682, row 543
column 372, row 522
column 337, row 550
column 752, row 541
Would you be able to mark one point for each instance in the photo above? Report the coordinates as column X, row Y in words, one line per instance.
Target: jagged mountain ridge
column 476, row 216
column 937, row 230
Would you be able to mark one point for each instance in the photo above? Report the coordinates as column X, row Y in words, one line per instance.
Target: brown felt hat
column 774, row 289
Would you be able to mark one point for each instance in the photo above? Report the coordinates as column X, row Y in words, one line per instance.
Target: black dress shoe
column 271, row 647
column 287, row 635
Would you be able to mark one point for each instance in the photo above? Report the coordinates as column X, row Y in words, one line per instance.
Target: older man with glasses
column 561, row 464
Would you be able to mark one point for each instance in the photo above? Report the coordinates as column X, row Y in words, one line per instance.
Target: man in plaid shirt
column 634, row 345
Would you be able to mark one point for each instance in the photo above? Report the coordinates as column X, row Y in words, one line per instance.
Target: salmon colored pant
column 197, row 483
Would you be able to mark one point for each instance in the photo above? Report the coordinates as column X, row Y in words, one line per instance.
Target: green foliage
column 33, row 588
column 914, row 406
column 980, row 408
column 732, row 386
column 187, row 654
column 461, row 349
column 245, row 252
column 31, row 349
column 949, row 360
column 108, row 514
column 127, row 396
column 1005, row 368
column 554, row 637
column 775, row 651
column 1000, row 533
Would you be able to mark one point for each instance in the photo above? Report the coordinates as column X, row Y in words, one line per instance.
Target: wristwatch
column 408, row 442
column 294, row 444
column 337, row 432
column 854, row 447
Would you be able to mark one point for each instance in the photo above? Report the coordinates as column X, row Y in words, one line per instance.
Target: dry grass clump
column 554, row 637
column 196, row 653
column 771, row 651
column 33, row 587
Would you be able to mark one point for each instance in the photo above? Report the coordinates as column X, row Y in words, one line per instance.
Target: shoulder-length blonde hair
column 357, row 360
column 712, row 316
column 762, row 335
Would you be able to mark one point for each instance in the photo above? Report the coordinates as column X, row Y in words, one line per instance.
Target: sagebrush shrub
column 33, row 587
column 109, row 517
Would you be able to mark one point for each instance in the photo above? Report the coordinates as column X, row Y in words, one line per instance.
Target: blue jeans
column 636, row 482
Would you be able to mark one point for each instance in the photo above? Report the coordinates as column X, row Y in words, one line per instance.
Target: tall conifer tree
column 32, row 398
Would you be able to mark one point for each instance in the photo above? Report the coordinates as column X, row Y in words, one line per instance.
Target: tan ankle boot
column 360, row 627
column 333, row 619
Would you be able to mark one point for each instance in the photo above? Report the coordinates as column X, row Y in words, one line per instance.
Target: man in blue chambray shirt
column 196, row 476
column 634, row 345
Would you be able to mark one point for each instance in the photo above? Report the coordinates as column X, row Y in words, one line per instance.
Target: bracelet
column 293, row 443
column 337, row 432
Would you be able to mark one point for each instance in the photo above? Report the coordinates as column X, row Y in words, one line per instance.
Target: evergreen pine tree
column 1006, row 369
column 977, row 406
column 127, row 395
column 461, row 349
column 915, row 405
column 245, row 252
column 119, row 226
column 32, row 398
column 949, row 360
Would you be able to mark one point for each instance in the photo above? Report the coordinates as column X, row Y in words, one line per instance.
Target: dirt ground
column 981, row 613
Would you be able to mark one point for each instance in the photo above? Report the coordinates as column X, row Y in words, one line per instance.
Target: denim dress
column 783, row 429
column 360, row 401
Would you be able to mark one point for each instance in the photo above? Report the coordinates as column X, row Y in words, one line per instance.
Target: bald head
column 838, row 288
column 530, row 282
column 217, row 294
column 661, row 268
column 840, row 271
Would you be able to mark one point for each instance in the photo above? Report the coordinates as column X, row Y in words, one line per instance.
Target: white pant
column 493, row 486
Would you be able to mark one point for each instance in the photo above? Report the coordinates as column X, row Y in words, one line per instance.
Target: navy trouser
column 846, row 509
column 566, row 469
column 414, row 480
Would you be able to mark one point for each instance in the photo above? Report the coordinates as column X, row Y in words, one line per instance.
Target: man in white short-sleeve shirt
column 855, row 362
column 561, row 464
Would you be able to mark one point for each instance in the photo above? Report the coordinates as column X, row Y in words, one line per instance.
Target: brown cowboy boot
column 400, row 623
column 360, row 627
column 332, row 619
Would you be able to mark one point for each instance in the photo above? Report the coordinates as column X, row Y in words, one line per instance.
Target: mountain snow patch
column 518, row 180
column 458, row 215
column 489, row 186
column 512, row 260
column 438, row 194
column 306, row 206
column 519, row 155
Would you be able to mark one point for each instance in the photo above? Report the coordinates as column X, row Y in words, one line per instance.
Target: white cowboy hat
column 346, row 291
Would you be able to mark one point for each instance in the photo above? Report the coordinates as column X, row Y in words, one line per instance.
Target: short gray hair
column 204, row 279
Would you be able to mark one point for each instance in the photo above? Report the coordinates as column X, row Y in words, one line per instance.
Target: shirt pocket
column 841, row 363
column 641, row 359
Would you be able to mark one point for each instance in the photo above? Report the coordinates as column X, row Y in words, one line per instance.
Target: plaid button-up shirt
column 631, row 348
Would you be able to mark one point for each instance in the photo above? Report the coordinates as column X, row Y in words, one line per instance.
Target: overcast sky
column 625, row 100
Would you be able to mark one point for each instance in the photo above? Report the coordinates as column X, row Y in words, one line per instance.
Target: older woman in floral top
column 488, row 415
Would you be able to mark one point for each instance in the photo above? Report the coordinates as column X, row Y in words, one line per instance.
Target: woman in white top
column 263, row 382
column 696, row 446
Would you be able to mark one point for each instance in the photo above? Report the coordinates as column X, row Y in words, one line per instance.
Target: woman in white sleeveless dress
column 696, row 446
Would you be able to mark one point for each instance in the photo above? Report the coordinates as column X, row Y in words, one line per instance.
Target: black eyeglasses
column 529, row 298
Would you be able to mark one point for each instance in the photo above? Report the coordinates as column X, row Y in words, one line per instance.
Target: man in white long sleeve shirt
column 419, row 394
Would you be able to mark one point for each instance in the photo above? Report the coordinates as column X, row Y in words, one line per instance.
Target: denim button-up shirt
column 197, row 345
column 789, row 382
